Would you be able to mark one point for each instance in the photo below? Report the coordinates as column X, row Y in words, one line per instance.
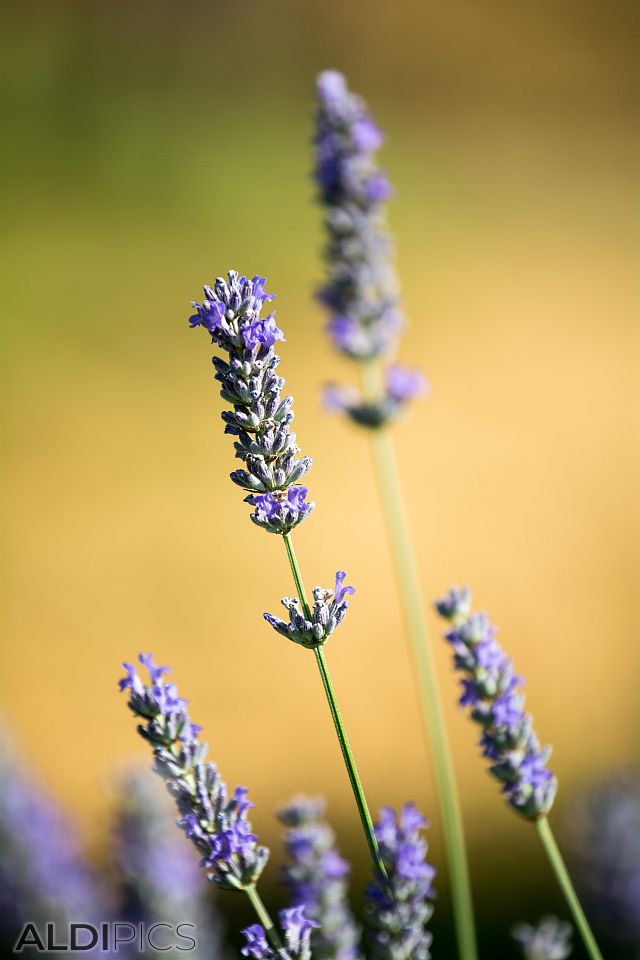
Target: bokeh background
column 149, row 147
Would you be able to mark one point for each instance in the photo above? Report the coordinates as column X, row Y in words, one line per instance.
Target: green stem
column 564, row 880
column 349, row 762
column 411, row 596
column 263, row 916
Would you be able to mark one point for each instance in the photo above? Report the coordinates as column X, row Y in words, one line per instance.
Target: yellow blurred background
column 152, row 146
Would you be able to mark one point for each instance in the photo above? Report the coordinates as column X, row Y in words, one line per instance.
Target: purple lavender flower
column 158, row 880
column 490, row 687
column 550, row 939
column 215, row 822
column 397, row 914
column 296, row 927
column 44, row 873
column 605, row 837
column 316, row 877
column 360, row 292
column 260, row 418
column 329, row 610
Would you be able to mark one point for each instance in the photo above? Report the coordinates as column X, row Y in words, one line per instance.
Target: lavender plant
column 550, row 939
column 215, row 821
column 361, row 296
column 397, row 913
column 44, row 873
column 260, row 419
column 157, row 878
column 491, row 689
column 317, row 879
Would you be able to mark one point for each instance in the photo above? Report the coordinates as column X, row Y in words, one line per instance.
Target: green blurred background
column 150, row 146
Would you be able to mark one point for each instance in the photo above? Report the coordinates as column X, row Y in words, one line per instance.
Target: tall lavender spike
column 44, row 874
column 550, row 939
column 215, row 822
column 260, row 418
column 396, row 914
column 317, row 876
column 360, row 291
column 490, row 689
column 158, row 879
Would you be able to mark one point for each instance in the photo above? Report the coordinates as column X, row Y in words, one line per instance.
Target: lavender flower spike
column 549, row 940
column 260, row 417
column 397, row 914
column 490, row 688
column 316, row 876
column 360, row 291
column 297, row 929
column 329, row 610
column 214, row 821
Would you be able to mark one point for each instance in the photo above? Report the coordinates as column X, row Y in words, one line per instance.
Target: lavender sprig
column 296, row 927
column 550, row 939
column 491, row 689
column 360, row 291
column 216, row 823
column 316, row 876
column 396, row 914
column 260, row 417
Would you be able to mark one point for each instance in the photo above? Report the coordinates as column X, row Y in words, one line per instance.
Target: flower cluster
column 490, row 687
column 260, row 417
column 605, row 835
column 329, row 610
column 215, row 822
column 360, row 291
column 157, row 873
column 296, row 927
column 397, row 912
column 549, row 940
column 44, row 875
column 316, row 877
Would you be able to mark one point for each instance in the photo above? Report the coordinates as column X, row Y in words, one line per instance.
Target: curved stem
column 433, row 719
column 564, row 880
column 349, row 762
column 270, row 930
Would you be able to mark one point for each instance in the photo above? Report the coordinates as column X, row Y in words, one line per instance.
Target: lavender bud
column 490, row 688
column 296, row 928
column 328, row 612
column 216, row 823
column 549, row 940
column 316, row 877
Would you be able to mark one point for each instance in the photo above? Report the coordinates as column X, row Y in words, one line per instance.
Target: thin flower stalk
column 360, row 295
column 260, row 420
column 491, row 690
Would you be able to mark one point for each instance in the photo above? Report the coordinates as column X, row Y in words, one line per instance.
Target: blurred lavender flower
column 44, row 875
column 260, row 419
column 549, row 940
column 317, row 879
column 396, row 914
column 605, row 837
column 360, row 291
column 329, row 610
column 297, row 936
column 215, row 822
column 490, row 689
column 158, row 878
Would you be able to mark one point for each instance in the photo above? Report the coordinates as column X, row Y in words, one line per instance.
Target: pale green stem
column 349, row 762
column 411, row 596
column 564, row 880
column 263, row 916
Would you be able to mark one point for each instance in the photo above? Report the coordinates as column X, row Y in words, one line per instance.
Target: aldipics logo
column 104, row 937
